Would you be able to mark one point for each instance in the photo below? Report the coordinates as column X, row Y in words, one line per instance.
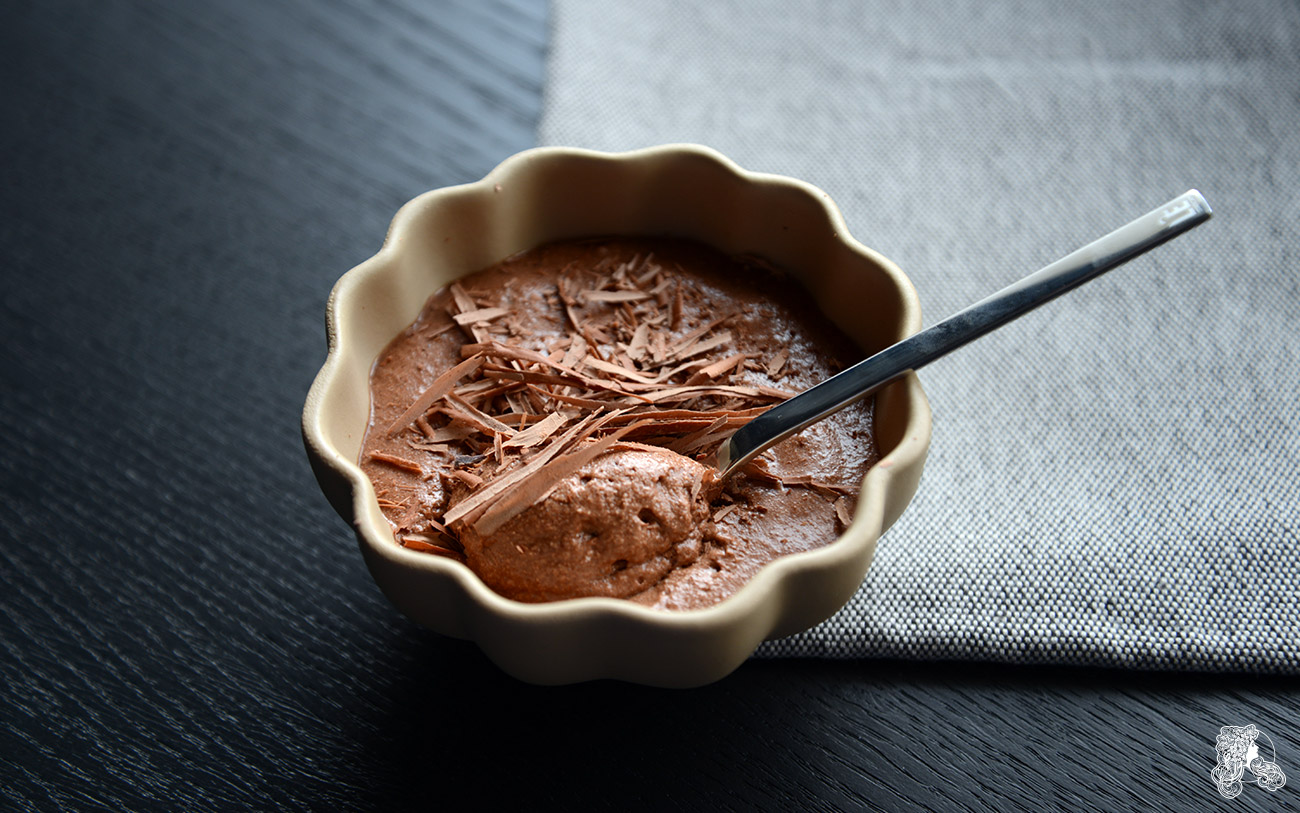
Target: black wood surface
column 184, row 623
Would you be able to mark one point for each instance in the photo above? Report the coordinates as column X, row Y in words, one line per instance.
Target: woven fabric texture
column 1113, row 478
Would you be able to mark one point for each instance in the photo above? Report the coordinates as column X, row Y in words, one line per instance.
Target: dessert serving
column 551, row 421
column 506, row 455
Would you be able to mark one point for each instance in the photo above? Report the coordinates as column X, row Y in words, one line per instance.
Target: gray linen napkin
column 1113, row 479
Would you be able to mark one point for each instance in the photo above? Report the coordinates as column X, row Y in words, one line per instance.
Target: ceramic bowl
column 550, row 194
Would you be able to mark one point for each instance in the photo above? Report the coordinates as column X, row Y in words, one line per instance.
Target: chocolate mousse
column 552, row 422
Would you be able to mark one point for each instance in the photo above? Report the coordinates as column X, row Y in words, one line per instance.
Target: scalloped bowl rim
column 864, row 530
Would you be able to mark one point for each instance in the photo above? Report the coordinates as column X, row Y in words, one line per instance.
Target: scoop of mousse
column 615, row 527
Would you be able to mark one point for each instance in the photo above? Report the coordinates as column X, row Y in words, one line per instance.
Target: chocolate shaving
column 576, row 352
column 685, row 351
column 673, row 431
column 535, row 401
column 518, row 404
column 397, row 462
column 585, row 403
column 440, row 528
column 684, row 445
column 702, row 330
column 498, row 350
column 741, row 415
column 476, row 389
column 422, row 543
column 716, row 370
column 483, row 399
column 626, row 445
column 473, row 415
column 443, row 435
column 704, row 441
column 468, row 478
column 440, row 387
column 682, row 393
column 579, row 325
column 775, row 366
column 614, row 296
column 625, row 371
column 495, row 349
column 758, row 470
column 659, row 348
column 479, row 315
column 464, row 302
column 774, row 393
column 591, row 427
column 531, row 376
column 574, row 380
column 538, row 432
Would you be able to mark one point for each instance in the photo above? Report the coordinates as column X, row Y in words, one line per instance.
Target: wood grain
column 184, row 624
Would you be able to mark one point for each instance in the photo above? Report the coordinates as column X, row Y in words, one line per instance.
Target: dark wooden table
column 184, row 623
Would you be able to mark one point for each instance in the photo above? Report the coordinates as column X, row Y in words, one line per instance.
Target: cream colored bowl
column 551, row 194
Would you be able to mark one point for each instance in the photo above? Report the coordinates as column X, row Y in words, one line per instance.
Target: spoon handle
column 1069, row 272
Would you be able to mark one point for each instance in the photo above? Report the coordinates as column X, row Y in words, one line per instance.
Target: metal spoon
column 1165, row 223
